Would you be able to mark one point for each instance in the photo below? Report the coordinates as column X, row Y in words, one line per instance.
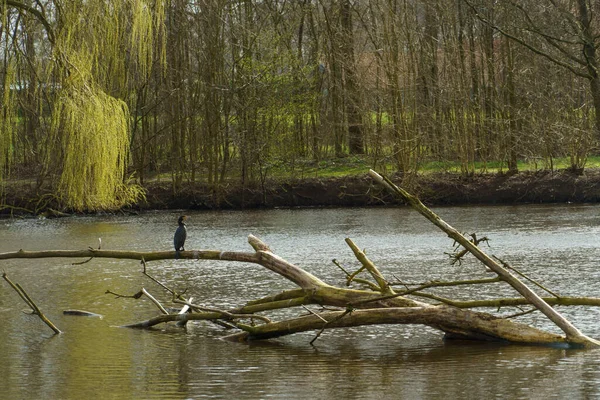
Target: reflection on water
column 95, row 359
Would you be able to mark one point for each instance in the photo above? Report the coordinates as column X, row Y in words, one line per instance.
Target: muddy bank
column 351, row 191
column 433, row 189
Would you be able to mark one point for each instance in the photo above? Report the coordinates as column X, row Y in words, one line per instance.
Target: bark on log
column 461, row 323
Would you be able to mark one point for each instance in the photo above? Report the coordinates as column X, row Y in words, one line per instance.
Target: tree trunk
column 589, row 51
column 351, row 93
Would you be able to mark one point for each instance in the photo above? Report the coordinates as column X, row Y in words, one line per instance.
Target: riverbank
column 360, row 191
column 348, row 191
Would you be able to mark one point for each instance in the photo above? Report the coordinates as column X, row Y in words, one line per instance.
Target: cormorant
column 180, row 235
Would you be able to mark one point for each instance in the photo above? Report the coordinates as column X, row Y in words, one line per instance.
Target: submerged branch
column 27, row 299
column 213, row 316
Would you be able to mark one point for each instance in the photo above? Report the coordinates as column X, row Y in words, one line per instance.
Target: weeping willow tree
column 92, row 134
column 101, row 50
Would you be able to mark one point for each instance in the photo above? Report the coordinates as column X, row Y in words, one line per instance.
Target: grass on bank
column 357, row 165
column 341, row 167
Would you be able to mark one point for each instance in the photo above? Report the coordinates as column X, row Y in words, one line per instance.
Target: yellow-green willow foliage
column 93, row 130
column 7, row 105
column 147, row 27
column 118, row 37
column 90, row 121
column 7, row 119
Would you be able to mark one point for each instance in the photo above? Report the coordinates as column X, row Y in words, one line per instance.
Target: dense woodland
column 101, row 96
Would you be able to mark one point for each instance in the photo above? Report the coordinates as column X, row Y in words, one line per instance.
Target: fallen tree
column 378, row 303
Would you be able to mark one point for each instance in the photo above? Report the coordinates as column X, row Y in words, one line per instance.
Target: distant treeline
column 97, row 92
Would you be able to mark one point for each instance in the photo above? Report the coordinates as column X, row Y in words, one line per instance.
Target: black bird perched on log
column 180, row 235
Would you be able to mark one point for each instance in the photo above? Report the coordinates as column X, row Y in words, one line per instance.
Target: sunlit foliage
column 90, row 125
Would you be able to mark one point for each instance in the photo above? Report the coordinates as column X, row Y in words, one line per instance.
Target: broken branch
column 27, row 299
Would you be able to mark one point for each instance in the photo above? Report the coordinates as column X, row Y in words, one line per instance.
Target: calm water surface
column 559, row 245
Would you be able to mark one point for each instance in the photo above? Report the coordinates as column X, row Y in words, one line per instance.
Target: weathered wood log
column 461, row 323
column 134, row 255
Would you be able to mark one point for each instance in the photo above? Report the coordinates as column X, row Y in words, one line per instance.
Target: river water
column 558, row 245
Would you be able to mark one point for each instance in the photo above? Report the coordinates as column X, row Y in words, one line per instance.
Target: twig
column 457, row 256
column 340, row 267
column 156, row 280
column 138, row 295
column 23, row 297
column 83, row 262
column 314, row 313
column 352, row 277
column 348, row 311
column 507, row 265
column 400, row 282
column 521, row 313
column 133, row 296
column 162, row 285
column 92, row 250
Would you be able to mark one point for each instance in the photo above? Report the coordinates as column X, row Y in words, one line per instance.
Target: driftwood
column 379, row 303
column 29, row 301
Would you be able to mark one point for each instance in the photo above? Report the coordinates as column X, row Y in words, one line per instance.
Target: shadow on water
column 95, row 359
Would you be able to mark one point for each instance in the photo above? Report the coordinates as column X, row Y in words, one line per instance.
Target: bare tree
column 562, row 32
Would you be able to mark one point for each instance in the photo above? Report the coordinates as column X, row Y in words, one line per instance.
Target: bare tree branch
column 40, row 15
column 531, row 47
